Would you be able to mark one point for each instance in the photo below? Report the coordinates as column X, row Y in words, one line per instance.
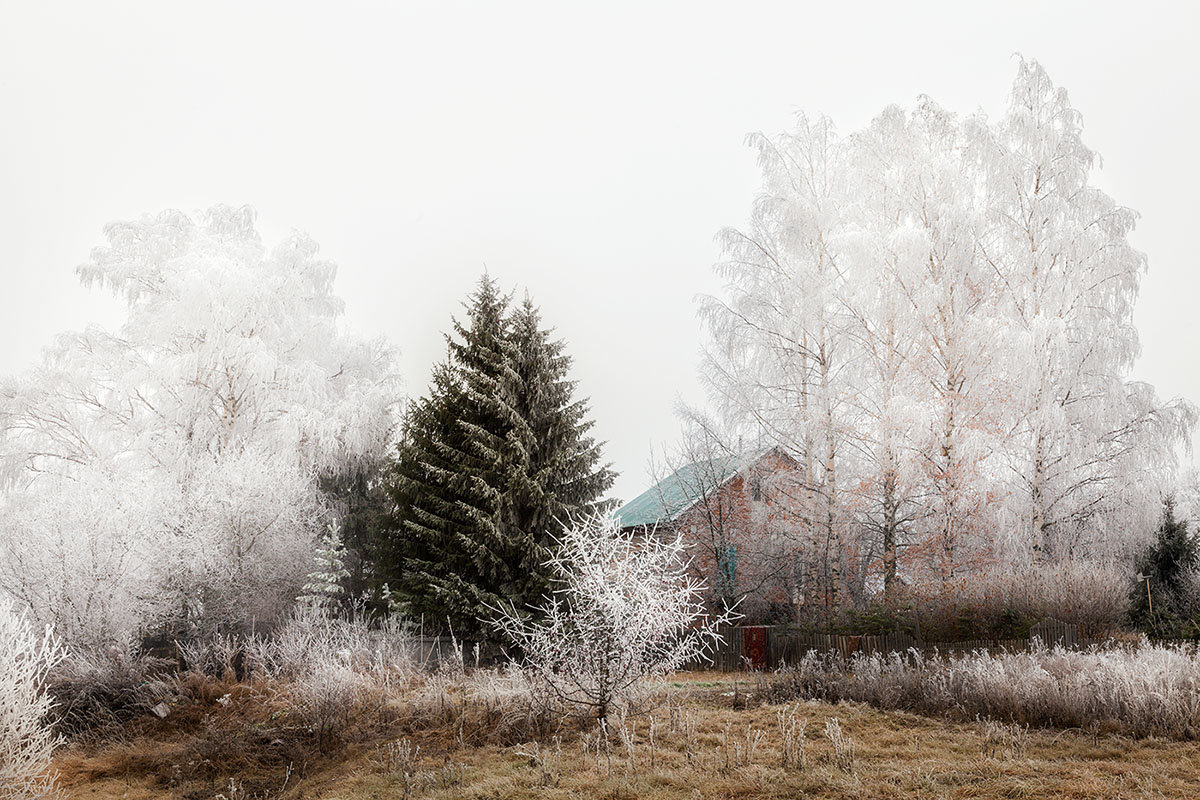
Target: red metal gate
column 754, row 646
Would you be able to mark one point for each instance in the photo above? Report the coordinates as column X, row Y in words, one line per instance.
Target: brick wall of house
column 743, row 541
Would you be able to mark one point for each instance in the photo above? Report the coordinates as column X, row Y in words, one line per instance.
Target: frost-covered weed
column 545, row 760
column 1144, row 690
column 26, row 741
column 843, row 745
column 791, row 738
column 1003, row 739
column 310, row 639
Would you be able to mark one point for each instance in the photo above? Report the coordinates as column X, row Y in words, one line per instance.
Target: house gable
column 673, row 497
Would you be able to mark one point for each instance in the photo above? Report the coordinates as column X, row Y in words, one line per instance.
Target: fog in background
column 587, row 155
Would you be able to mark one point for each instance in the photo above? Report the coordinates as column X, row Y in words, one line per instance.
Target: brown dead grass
column 896, row 755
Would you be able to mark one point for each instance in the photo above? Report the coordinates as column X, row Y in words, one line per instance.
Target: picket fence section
column 785, row 644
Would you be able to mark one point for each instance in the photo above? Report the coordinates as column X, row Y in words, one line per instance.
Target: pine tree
column 324, row 589
column 490, row 464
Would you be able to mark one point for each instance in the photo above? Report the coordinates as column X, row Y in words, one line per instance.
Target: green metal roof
column 678, row 492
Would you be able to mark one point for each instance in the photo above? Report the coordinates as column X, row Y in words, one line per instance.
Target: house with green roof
column 736, row 512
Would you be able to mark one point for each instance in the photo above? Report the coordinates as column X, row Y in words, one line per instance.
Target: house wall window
column 727, row 568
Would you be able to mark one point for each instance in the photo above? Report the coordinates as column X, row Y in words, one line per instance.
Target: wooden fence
column 785, row 644
column 770, row 646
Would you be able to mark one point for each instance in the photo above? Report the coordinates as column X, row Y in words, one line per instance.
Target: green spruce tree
column 557, row 474
column 490, row 464
column 1163, row 570
column 360, row 500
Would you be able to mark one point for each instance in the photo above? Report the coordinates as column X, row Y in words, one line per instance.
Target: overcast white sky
column 587, row 154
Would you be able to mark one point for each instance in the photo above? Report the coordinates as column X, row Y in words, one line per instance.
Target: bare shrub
column 26, row 740
column 1003, row 604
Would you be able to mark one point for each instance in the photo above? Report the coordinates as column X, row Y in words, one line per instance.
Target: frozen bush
column 625, row 610
column 385, row 649
column 26, row 740
column 1003, row 604
column 95, row 693
column 330, row 694
column 341, row 669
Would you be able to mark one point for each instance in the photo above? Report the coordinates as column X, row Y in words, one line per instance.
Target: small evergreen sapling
column 1166, row 565
column 324, row 589
column 625, row 610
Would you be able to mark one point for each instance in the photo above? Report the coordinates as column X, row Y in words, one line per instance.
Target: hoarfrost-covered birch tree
column 624, row 610
column 167, row 471
column 934, row 316
column 1089, row 447
column 949, row 300
column 777, row 357
column 888, row 340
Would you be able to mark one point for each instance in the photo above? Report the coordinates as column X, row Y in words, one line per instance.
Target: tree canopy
column 168, row 471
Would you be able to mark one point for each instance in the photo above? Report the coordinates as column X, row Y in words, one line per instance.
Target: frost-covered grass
column 342, row 709
column 278, row 707
column 708, row 739
column 1142, row 690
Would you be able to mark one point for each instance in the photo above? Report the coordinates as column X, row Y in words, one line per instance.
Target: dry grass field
column 709, row 739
